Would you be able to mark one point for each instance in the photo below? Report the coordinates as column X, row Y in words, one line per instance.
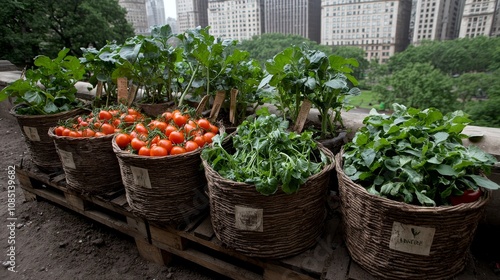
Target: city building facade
column 437, row 20
column 191, row 14
column 156, row 13
column 299, row 17
column 381, row 28
column 136, row 15
column 479, row 18
column 235, row 19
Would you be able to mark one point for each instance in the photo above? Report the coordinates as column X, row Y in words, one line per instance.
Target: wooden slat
column 120, row 200
column 274, row 272
column 205, row 230
column 153, row 253
column 164, row 238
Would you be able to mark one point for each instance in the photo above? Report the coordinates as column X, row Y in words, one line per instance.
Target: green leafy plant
column 416, row 156
column 48, row 88
column 299, row 73
column 267, row 155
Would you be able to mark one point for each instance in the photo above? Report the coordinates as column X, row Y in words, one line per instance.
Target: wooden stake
column 122, row 86
column 302, row 117
column 232, row 107
column 219, row 99
column 202, row 105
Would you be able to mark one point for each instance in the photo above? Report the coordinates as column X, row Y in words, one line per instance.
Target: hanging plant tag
column 411, row 239
column 302, row 117
column 202, row 105
column 31, row 133
column 122, row 86
column 232, row 107
column 141, row 177
column 250, row 219
column 67, row 159
column 219, row 99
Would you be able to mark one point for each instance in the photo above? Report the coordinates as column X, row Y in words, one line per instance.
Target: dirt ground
column 53, row 243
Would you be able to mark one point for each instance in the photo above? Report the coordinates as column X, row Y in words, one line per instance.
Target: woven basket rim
column 408, row 207
column 12, row 111
column 325, row 169
column 125, row 154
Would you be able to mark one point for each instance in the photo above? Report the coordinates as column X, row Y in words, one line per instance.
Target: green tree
column 32, row 27
column 419, row 85
column 266, row 46
column 485, row 112
column 471, row 86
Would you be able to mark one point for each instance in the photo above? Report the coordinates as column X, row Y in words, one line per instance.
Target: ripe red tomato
column 88, row 133
column 158, row 151
column 66, row 132
column 74, row 134
column 141, row 128
column 180, row 120
column 208, row 137
column 467, row 197
column 107, row 128
column 176, row 137
column 204, row 123
column 177, row 150
column 169, row 129
column 137, row 144
column 122, row 140
column 59, row 130
column 167, row 144
column 191, row 146
column 200, row 140
column 214, row 129
column 144, row 151
column 161, row 125
column 105, row 115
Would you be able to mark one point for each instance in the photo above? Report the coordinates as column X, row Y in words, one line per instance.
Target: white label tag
column 248, row 218
column 67, row 159
column 411, row 239
column 31, row 133
column 141, row 177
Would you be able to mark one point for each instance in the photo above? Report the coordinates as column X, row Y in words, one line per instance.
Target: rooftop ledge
column 487, row 138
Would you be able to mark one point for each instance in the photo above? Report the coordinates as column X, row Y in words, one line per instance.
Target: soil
column 54, row 243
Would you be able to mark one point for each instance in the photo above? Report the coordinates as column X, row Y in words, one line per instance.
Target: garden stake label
column 31, row 133
column 202, row 105
column 67, row 159
column 302, row 117
column 219, row 99
column 232, row 106
column 248, row 218
column 122, row 86
column 141, row 177
column 411, row 239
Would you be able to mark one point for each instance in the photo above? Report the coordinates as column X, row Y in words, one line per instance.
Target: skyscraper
column 136, row 15
column 235, row 19
column 379, row 27
column 156, row 12
column 300, row 17
column 437, row 20
column 191, row 14
column 479, row 18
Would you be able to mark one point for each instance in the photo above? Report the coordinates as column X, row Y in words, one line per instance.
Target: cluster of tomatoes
column 99, row 123
column 173, row 133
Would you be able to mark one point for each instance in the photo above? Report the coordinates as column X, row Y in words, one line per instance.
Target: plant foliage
column 416, row 156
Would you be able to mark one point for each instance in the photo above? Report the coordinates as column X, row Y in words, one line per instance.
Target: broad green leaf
column 484, row 182
column 424, row 200
column 446, row 170
column 441, row 137
column 368, row 156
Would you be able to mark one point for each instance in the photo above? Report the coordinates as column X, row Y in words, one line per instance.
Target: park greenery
column 43, row 27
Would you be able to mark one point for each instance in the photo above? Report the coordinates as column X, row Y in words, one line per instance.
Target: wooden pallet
column 196, row 241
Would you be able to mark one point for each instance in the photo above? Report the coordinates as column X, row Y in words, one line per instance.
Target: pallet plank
column 153, row 253
column 274, row 272
column 164, row 238
column 205, row 230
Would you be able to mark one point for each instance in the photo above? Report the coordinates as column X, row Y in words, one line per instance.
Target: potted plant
column 412, row 193
column 298, row 73
column 45, row 95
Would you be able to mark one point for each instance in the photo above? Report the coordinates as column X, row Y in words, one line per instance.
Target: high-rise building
column 437, row 20
column 235, row 19
column 478, row 18
column 173, row 24
column 495, row 32
column 191, row 14
column 136, row 15
column 300, row 17
column 156, row 13
column 381, row 28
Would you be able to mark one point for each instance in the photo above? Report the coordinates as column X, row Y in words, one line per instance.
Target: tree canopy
column 32, row 27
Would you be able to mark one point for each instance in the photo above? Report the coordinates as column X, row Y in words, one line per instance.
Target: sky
column 170, row 10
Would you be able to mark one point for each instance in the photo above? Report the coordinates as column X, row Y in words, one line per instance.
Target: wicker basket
column 90, row 164
column 275, row 226
column 165, row 189
column 395, row 240
column 34, row 129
